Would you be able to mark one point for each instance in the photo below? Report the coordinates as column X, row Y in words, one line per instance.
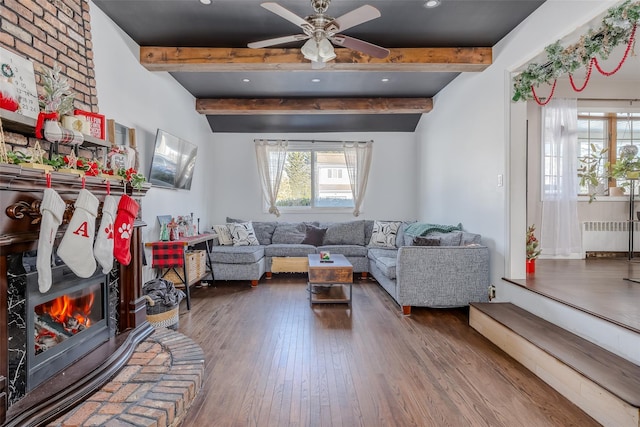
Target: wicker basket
column 161, row 316
column 196, row 267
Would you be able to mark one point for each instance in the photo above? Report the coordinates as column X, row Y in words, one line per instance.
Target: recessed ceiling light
column 384, row 80
column 246, row 80
column 432, row 3
column 205, row 1
column 315, row 80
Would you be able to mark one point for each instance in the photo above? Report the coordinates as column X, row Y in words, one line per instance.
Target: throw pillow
column 224, row 236
column 426, row 241
column 384, row 234
column 314, row 235
column 243, row 234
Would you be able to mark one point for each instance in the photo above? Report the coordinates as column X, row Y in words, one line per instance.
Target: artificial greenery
column 533, row 251
column 57, row 95
column 615, row 29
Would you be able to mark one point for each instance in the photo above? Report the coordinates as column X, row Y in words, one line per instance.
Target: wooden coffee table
column 328, row 281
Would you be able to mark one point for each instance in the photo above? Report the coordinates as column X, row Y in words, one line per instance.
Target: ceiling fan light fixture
column 432, row 3
column 325, row 50
column 310, row 50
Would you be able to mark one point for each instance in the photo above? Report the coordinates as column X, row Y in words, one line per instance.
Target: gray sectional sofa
column 452, row 271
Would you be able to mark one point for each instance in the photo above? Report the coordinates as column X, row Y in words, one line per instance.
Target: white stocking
column 52, row 209
column 76, row 248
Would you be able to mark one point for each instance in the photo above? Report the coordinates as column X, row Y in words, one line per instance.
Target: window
column 603, row 130
column 315, row 178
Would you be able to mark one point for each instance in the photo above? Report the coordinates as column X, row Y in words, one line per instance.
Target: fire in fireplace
column 67, row 322
column 65, row 316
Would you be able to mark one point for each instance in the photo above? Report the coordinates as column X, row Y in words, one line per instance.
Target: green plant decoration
column 591, row 172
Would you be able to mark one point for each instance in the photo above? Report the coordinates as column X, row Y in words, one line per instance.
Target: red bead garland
column 593, row 61
column 586, row 80
column 540, row 103
column 624, row 57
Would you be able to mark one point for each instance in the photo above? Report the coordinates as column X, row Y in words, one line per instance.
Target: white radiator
column 609, row 236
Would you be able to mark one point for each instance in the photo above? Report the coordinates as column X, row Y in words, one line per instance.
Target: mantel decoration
column 532, row 249
column 618, row 26
column 56, row 102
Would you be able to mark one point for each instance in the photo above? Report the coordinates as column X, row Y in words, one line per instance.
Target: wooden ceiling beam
column 200, row 59
column 226, row 106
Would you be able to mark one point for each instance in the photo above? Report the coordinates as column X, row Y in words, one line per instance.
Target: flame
column 65, row 307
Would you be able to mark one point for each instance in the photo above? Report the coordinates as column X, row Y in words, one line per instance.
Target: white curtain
column 271, row 156
column 560, row 230
column 358, row 159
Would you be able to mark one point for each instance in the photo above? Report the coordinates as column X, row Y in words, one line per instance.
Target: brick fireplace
column 57, row 348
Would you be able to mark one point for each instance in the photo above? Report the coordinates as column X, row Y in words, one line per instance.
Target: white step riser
column 604, row 407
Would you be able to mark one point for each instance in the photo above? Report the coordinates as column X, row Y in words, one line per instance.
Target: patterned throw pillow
column 384, row 234
column 224, row 236
column 242, row 234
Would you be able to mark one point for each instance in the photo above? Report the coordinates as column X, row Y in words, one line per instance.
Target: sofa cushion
column 289, row 232
column 387, row 265
column 447, row 239
column 384, row 234
column 236, row 254
column 346, row 250
column 243, row 234
column 314, row 235
column 470, row 239
column 224, row 236
column 345, row 233
column 289, row 249
column 375, row 253
column 264, row 231
column 400, row 239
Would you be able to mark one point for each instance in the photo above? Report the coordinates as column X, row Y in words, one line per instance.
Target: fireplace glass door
column 67, row 322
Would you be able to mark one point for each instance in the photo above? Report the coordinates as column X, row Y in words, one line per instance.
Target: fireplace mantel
column 21, row 189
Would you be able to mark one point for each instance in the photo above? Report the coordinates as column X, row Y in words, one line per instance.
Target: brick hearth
column 155, row 388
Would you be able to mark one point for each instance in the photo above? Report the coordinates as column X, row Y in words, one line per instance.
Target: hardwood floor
column 596, row 286
column 272, row 360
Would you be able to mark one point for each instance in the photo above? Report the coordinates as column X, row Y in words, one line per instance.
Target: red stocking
column 123, row 226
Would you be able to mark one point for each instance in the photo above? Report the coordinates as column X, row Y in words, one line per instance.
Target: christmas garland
column 618, row 26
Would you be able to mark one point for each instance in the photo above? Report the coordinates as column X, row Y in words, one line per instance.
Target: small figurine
column 173, row 229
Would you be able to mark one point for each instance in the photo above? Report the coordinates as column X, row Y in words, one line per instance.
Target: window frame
column 611, row 119
column 313, row 148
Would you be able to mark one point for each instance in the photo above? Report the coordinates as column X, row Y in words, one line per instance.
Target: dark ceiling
column 234, row 23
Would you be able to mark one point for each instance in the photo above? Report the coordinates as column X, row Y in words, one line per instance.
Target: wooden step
column 603, row 384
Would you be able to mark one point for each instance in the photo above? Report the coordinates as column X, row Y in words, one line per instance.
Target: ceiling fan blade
column 355, row 17
column 277, row 41
column 285, row 13
column 360, row 45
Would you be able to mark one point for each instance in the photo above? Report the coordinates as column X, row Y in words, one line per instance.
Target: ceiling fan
column 321, row 30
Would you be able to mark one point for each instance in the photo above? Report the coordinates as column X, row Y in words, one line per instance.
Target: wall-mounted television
column 173, row 161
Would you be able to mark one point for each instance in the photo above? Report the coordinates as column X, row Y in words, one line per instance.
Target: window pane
column 592, row 131
column 295, row 187
column 332, row 187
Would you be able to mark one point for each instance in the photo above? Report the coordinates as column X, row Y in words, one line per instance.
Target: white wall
column 225, row 182
column 146, row 101
column 468, row 140
column 391, row 190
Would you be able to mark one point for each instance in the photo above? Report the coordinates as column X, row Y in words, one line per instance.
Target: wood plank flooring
column 596, row 286
column 272, row 360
